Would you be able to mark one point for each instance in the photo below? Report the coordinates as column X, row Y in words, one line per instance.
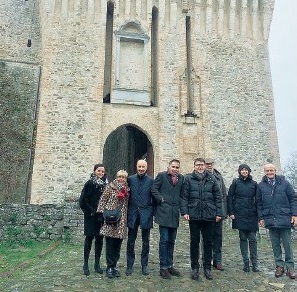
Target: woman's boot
column 87, row 249
column 98, row 250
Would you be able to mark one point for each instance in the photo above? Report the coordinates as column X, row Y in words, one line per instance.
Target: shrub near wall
column 41, row 222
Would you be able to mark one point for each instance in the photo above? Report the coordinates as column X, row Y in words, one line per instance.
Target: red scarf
column 123, row 193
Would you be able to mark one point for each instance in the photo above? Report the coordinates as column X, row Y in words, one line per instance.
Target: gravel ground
column 61, row 270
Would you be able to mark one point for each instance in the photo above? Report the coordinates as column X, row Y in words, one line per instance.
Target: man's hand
column 294, row 220
column 232, row 217
column 218, row 218
column 187, row 217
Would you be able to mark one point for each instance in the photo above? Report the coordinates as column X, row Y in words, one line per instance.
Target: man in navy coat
column 277, row 211
column 140, row 214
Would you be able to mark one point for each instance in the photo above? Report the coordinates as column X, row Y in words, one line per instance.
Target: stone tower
column 161, row 79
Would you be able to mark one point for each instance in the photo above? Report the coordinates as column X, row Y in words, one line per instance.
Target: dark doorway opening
column 123, row 147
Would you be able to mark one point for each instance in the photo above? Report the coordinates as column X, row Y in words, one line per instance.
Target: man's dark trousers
column 132, row 235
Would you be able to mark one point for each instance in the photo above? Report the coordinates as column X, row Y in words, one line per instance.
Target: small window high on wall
column 132, row 66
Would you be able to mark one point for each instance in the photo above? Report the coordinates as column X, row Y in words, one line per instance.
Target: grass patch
column 15, row 255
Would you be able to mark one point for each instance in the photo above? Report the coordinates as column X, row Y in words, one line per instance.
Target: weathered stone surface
column 232, row 114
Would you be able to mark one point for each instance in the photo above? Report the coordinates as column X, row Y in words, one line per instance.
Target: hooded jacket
column 242, row 203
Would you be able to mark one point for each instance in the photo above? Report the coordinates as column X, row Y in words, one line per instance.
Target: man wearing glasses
column 201, row 206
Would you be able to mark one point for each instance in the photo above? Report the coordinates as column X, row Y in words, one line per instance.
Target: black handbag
column 112, row 216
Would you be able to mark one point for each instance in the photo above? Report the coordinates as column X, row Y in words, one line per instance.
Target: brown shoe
column 279, row 271
column 165, row 274
column 174, row 272
column 291, row 274
column 219, row 267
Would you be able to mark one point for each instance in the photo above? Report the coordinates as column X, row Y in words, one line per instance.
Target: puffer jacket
column 276, row 204
column 201, row 198
column 242, row 203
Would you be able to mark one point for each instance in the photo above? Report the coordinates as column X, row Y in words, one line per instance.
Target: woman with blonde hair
column 114, row 198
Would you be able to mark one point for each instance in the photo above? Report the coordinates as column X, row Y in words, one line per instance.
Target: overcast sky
column 283, row 61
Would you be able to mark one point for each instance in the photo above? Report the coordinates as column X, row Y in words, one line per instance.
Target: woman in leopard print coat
column 115, row 195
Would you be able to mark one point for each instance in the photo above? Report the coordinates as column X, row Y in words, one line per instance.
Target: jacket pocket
column 209, row 212
column 285, row 211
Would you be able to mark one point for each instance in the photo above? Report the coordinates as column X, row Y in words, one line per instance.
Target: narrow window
column 108, row 52
column 154, row 57
column 189, row 67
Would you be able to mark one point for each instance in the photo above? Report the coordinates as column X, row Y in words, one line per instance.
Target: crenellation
column 133, row 13
column 244, row 16
column 166, row 12
column 58, row 8
column 174, row 15
column 203, row 16
column 249, row 20
column 238, row 19
column 214, row 17
column 232, row 20
column 70, row 6
column 226, row 28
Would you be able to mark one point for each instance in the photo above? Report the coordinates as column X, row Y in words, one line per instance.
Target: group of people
column 201, row 198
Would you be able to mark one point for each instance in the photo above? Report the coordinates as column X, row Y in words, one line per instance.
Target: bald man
column 277, row 211
column 140, row 214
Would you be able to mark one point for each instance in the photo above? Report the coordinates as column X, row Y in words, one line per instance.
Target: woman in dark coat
column 242, row 210
column 88, row 202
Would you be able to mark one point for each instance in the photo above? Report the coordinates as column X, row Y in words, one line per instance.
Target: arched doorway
column 123, row 147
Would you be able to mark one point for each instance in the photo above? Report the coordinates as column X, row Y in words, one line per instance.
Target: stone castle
column 119, row 80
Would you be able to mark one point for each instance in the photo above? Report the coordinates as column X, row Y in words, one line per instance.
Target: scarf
column 98, row 182
column 123, row 190
column 174, row 178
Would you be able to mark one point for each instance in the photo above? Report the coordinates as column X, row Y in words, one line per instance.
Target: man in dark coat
column 218, row 229
column 166, row 190
column 201, row 206
column 277, row 211
column 242, row 210
column 140, row 214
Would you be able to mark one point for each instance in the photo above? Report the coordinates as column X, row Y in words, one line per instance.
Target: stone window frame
column 132, row 31
column 123, row 35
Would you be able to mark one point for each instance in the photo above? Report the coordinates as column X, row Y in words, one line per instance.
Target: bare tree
column 290, row 169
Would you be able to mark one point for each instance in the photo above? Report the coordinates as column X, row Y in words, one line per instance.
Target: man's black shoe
column 116, row 273
column 208, row 274
column 129, row 271
column 109, row 273
column 195, row 274
column 145, row 270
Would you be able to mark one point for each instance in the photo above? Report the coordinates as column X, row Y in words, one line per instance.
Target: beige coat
column 110, row 201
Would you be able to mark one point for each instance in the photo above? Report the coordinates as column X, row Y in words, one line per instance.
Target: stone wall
column 19, row 90
column 41, row 222
column 226, row 49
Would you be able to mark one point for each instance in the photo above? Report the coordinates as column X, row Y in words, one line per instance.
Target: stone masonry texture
column 233, row 119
